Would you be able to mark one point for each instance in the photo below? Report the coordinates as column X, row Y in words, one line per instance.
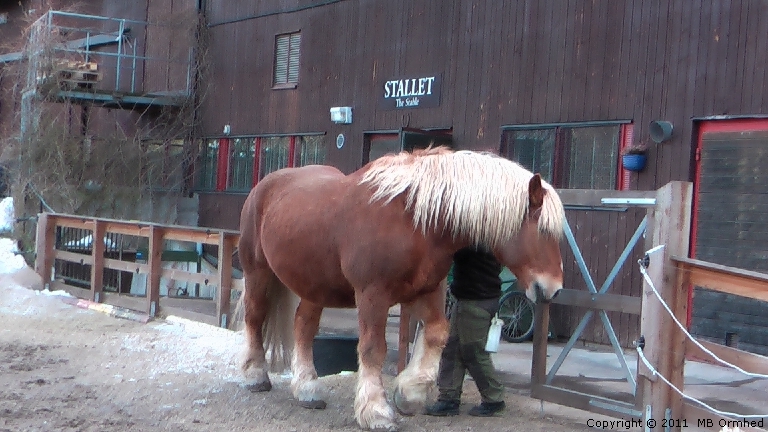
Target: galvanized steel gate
column 598, row 301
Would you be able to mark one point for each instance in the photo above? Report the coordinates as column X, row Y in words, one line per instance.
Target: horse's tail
column 277, row 329
column 278, row 325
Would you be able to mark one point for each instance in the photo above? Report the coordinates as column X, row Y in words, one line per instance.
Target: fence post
column 226, row 249
column 540, row 336
column 44, row 245
column 155, row 269
column 97, row 254
column 670, row 223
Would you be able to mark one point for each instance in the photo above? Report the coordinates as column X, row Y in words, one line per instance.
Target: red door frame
column 710, row 126
column 626, row 135
column 222, row 168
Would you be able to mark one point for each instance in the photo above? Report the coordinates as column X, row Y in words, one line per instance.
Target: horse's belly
column 299, row 240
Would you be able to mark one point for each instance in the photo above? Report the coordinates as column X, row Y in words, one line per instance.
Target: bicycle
column 515, row 308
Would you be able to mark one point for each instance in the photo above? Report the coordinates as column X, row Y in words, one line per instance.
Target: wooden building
column 562, row 86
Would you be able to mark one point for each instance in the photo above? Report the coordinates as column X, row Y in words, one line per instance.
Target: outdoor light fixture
column 341, row 115
column 227, row 129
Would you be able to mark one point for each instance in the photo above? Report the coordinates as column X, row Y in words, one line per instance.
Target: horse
column 314, row 238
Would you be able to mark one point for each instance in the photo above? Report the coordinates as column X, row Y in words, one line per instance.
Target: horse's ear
column 535, row 192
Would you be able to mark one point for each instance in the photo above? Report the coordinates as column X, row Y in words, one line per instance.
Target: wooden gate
column 667, row 222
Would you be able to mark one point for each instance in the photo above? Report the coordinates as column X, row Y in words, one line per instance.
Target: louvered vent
column 287, row 47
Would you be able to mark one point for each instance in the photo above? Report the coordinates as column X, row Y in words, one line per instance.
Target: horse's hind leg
column 256, row 308
column 415, row 381
column 306, row 388
column 372, row 410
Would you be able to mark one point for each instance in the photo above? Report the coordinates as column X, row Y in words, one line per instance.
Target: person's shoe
column 487, row 409
column 443, row 408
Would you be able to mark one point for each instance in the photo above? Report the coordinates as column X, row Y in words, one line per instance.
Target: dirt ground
column 63, row 368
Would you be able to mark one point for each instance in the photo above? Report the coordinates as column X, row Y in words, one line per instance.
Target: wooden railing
column 216, row 311
column 730, row 280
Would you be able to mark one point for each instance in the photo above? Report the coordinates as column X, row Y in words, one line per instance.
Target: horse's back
column 293, row 216
column 273, row 188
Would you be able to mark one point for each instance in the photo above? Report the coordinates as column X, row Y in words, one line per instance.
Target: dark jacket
column 475, row 275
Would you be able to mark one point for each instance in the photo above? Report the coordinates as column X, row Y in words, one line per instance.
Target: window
column 206, row 164
column 230, row 164
column 241, row 164
column 274, row 154
column 287, row 48
column 571, row 156
column 311, row 150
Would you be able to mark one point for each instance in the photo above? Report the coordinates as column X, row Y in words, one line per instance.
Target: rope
column 655, row 372
column 688, row 335
column 693, row 399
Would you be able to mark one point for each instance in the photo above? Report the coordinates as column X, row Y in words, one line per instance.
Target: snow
column 6, row 215
column 185, row 346
column 86, row 242
column 10, row 260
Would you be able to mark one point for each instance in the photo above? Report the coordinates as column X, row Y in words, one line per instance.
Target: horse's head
column 534, row 254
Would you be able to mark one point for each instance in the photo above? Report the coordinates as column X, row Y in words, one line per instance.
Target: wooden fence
column 214, row 311
column 689, row 273
column 663, row 343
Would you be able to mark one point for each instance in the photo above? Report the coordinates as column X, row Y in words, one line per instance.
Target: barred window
column 241, row 164
column 570, row 156
column 311, row 150
column 237, row 164
column 207, row 163
column 274, row 154
column 287, row 47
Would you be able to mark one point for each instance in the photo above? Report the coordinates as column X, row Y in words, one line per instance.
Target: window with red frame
column 573, row 155
column 230, row 164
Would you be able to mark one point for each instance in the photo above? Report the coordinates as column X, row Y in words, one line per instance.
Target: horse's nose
column 541, row 295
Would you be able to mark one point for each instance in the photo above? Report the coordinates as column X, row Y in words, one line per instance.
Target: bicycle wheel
column 517, row 312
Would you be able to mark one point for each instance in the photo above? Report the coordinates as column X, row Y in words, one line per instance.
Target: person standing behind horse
column 477, row 288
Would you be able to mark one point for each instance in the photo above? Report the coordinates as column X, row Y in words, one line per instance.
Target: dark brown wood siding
column 501, row 63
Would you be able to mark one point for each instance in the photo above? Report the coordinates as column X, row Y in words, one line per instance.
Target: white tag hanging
column 494, row 334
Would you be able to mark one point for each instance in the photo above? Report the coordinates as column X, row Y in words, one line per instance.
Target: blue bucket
column 634, row 162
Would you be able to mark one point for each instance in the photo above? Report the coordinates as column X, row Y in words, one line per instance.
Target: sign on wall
column 412, row 92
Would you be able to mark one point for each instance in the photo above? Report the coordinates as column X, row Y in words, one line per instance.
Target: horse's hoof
column 403, row 406
column 385, row 428
column 313, row 404
column 260, row 387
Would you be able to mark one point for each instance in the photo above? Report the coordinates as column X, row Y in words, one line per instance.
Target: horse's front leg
column 372, row 411
column 415, row 381
column 306, row 388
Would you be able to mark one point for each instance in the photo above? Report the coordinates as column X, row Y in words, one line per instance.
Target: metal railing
column 59, row 34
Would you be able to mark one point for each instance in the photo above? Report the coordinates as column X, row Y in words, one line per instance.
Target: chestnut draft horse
column 383, row 235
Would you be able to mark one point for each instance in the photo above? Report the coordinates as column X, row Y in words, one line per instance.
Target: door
column 730, row 227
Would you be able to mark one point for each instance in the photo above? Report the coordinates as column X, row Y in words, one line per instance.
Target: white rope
column 693, row 399
column 655, row 372
column 682, row 327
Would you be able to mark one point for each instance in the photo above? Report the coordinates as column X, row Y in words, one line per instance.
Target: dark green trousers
column 465, row 352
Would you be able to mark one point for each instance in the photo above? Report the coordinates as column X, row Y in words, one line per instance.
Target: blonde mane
column 478, row 196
